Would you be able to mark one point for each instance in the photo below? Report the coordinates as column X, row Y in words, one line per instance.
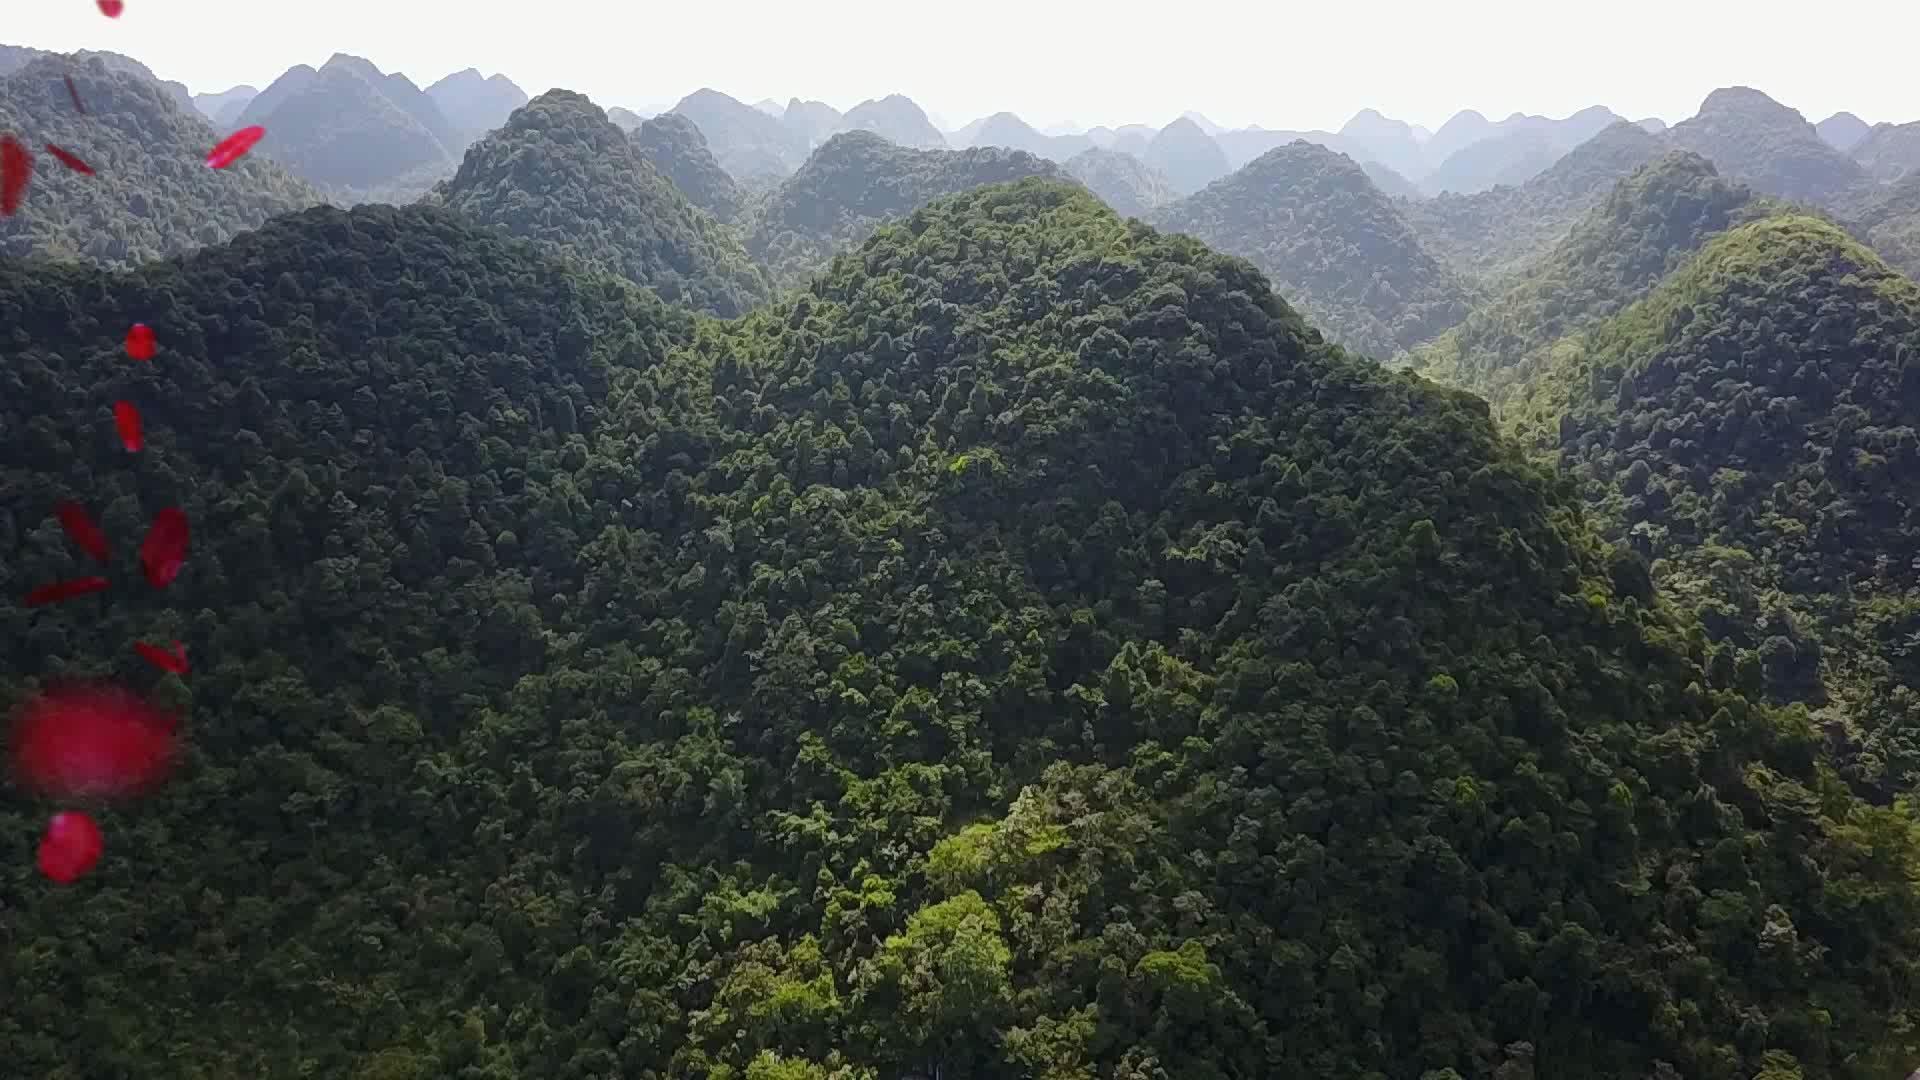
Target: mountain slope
column 225, row 103
column 747, row 142
column 898, row 120
column 1771, row 148
column 1335, row 247
column 675, row 146
column 152, row 195
column 474, row 104
column 857, row 181
column 814, row 121
column 1496, row 233
column 1842, row 131
column 1512, row 159
column 1030, row 651
column 562, row 174
column 1187, row 156
column 1890, row 223
column 1122, row 181
column 1889, row 151
column 1752, row 422
column 1650, row 223
column 342, row 128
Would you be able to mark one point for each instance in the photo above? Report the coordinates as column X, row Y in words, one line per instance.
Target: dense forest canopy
column 1027, row 651
column 562, row 174
column 151, row 195
column 753, row 593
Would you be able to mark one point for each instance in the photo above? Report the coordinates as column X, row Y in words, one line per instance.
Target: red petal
column 90, row 741
column 83, row 530
column 140, row 341
column 74, row 93
column 69, row 160
column 165, row 549
column 175, row 661
column 234, row 147
column 71, row 847
column 112, row 8
column 16, row 168
column 65, row 590
column 127, row 419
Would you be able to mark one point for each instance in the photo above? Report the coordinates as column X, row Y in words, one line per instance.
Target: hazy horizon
column 1294, row 70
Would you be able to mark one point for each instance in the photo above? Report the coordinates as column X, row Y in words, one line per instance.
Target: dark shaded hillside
column 367, row 418
column 1122, row 181
column 562, row 174
column 675, row 146
column 1769, row 147
column 1751, row 425
column 1335, row 247
column 1651, row 222
column 858, row 180
column 1495, row 234
column 1029, row 650
column 152, row 194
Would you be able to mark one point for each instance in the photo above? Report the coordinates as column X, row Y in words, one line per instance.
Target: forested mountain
column 1754, row 139
column 748, row 143
column 1650, row 223
column 1187, row 156
column 1124, row 182
column 151, row 194
column 1751, row 426
column 859, row 180
column 675, row 146
column 1842, row 131
column 1890, row 223
column 1334, row 246
column 475, row 104
column 1511, row 159
column 1889, row 151
column 350, row 128
column 897, row 119
column 15, row 57
column 560, row 173
column 1027, row 653
column 1496, row 233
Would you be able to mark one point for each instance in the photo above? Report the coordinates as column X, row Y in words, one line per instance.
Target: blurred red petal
column 66, row 590
column 16, row 168
column 69, row 160
column 164, row 551
column 234, row 147
column 83, row 530
column 92, row 741
column 74, row 93
column 127, row 419
column 71, row 847
column 112, row 8
column 175, row 661
column 140, row 341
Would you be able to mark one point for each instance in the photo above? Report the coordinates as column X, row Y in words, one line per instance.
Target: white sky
column 1277, row 64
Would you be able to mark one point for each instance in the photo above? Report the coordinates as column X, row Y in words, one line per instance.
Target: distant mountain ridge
column 351, row 128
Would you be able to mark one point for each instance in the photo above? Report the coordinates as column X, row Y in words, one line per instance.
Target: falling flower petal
column 140, row 341
column 92, row 741
column 175, row 661
column 71, row 846
column 83, row 530
column 69, row 160
column 165, row 549
column 65, row 590
column 16, row 168
column 234, row 147
column 127, row 419
column 112, row 8
column 74, row 93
